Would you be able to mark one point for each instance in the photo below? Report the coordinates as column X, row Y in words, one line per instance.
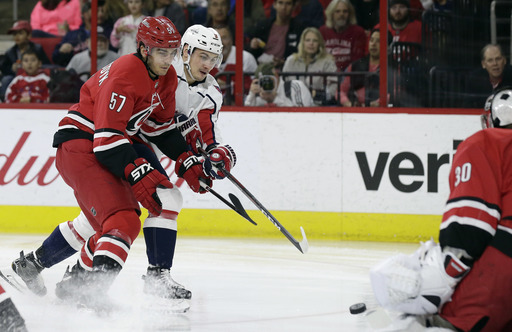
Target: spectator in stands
column 309, row 12
column 268, row 89
column 344, row 39
column 439, row 5
column 215, row 14
column 51, row 18
column 253, row 12
column 81, row 62
column 402, row 28
column 494, row 74
column 275, row 39
column 312, row 57
column 228, row 64
column 30, row 85
column 171, row 9
column 125, row 28
column 115, row 9
column 75, row 41
column 363, row 90
column 367, row 13
column 11, row 61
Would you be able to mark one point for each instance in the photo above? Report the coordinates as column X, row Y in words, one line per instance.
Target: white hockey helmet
column 207, row 39
column 498, row 109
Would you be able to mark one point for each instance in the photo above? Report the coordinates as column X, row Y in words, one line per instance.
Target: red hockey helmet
column 158, row 32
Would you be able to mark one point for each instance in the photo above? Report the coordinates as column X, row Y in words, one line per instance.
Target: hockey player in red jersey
column 463, row 284
column 133, row 95
column 198, row 102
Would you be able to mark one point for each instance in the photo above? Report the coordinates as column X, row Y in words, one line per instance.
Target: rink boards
column 379, row 177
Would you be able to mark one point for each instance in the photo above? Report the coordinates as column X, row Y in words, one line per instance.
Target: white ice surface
column 237, row 285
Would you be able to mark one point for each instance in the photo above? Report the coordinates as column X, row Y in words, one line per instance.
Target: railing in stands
column 335, row 78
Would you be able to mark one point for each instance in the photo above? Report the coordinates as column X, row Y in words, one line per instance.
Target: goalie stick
column 303, row 245
column 236, row 206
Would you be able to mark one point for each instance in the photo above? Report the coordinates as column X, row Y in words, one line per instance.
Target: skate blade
column 8, row 275
column 171, row 306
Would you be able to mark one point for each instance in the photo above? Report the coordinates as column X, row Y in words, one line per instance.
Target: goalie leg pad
column 396, row 280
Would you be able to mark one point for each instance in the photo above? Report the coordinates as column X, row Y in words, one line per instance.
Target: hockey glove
column 144, row 179
column 221, row 156
column 420, row 283
column 190, row 132
column 440, row 273
column 191, row 168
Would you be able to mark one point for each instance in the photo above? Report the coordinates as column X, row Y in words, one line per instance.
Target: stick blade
column 240, row 209
column 304, row 245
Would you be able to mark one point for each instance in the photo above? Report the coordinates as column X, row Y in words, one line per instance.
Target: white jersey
column 200, row 101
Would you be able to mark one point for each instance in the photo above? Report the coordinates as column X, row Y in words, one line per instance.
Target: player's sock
column 54, row 249
column 160, row 245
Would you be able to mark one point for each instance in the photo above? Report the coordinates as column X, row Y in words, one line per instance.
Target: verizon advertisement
column 399, row 163
column 330, row 162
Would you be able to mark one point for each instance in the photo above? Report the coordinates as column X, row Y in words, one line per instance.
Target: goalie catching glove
column 420, row 283
column 191, row 168
column 144, row 179
column 221, row 156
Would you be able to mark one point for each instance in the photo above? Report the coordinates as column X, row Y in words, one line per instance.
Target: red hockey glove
column 190, row 132
column 144, row 179
column 191, row 168
column 221, row 156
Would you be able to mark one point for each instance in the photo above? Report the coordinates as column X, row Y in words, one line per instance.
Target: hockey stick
column 303, row 246
column 236, row 206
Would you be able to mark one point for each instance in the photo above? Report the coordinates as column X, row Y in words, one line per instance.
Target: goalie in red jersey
column 463, row 283
column 134, row 95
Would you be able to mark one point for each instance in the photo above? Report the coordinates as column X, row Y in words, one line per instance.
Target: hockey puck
column 357, row 308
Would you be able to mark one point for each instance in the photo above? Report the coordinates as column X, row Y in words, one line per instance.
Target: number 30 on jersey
column 462, row 173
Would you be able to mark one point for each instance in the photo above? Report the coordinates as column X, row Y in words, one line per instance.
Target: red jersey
column 346, row 46
column 410, row 34
column 24, row 85
column 479, row 208
column 118, row 102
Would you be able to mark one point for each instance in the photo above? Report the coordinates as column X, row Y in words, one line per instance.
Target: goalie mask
column 498, row 109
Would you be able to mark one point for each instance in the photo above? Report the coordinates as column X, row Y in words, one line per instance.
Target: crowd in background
column 296, row 52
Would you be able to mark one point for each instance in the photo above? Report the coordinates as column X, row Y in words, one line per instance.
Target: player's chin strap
column 189, row 71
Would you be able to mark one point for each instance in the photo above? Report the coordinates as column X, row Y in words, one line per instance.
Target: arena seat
column 48, row 44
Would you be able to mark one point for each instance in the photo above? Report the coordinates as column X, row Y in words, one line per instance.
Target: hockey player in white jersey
column 198, row 102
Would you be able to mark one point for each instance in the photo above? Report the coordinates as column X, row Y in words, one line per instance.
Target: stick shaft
column 301, row 246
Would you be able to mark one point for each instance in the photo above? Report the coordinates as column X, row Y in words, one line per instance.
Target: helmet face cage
column 485, row 117
column 158, row 32
column 206, row 39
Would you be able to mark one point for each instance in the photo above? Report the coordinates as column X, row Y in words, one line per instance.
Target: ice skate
column 29, row 270
column 159, row 282
column 85, row 289
column 73, row 284
column 165, row 293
